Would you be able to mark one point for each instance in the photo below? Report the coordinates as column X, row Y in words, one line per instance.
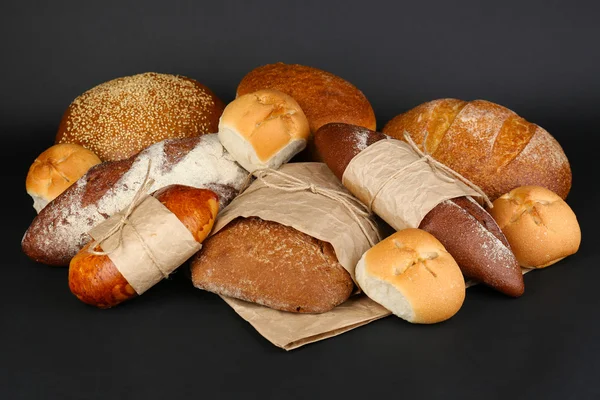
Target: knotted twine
column 354, row 207
column 441, row 170
column 138, row 198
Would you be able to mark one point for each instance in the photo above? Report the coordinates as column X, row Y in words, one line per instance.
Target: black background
column 541, row 59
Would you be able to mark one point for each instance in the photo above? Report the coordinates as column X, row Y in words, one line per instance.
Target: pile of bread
column 145, row 166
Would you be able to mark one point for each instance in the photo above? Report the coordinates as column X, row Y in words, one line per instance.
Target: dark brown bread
column 465, row 229
column 486, row 143
column 95, row 280
column 271, row 264
column 323, row 96
column 119, row 118
column 60, row 230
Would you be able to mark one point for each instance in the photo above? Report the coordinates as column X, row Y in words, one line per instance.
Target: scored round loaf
column 411, row 274
column 464, row 228
column 57, row 168
column 540, row 226
column 323, row 96
column 95, row 280
column 263, row 129
column 271, row 264
column 120, row 117
column 487, row 143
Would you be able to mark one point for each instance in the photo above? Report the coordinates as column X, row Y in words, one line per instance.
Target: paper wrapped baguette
column 135, row 249
column 414, row 195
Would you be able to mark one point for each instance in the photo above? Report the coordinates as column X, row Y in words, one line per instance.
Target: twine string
column 124, row 220
column 353, row 206
column 441, row 170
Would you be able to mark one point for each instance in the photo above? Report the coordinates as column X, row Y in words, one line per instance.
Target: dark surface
column 540, row 59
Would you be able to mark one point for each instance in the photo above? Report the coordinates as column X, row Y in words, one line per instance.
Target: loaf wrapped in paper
column 138, row 247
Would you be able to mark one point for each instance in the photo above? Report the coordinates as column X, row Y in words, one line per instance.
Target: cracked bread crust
column 271, row 264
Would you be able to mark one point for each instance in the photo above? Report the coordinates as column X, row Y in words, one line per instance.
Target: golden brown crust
column 541, row 227
column 120, row 117
column 271, row 264
column 95, row 280
column 57, row 168
column 323, row 96
column 417, row 265
column 487, row 143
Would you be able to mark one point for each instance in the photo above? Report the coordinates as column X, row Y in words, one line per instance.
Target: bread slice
column 272, row 264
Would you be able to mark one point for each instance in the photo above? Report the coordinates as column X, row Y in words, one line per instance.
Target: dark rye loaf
column 465, row 229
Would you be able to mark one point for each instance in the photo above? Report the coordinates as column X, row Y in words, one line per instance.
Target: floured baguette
column 60, row 229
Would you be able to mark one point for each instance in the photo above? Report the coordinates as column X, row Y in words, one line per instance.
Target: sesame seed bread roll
column 118, row 118
column 263, row 129
column 540, row 226
column 57, row 168
column 486, row 143
column 95, row 279
column 411, row 274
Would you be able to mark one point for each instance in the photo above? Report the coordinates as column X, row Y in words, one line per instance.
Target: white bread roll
column 263, row 129
column 539, row 225
column 411, row 274
column 55, row 170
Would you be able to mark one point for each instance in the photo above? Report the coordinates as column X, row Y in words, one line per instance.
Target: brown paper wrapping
column 323, row 219
column 314, row 214
column 160, row 232
column 416, row 189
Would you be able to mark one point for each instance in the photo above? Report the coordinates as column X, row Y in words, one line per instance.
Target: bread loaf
column 540, row 226
column 271, row 264
column 411, row 274
column 323, row 96
column 119, row 118
column 463, row 227
column 60, row 229
column 57, row 168
column 486, row 143
column 95, row 279
column 263, row 129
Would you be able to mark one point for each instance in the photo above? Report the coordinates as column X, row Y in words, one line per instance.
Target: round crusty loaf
column 323, row 96
column 118, row 118
column 411, row 274
column 263, row 129
column 487, row 143
column 55, row 170
column 95, row 280
column 271, row 264
column 540, row 226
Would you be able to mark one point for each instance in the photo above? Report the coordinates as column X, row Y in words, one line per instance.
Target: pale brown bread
column 411, row 274
column 323, row 96
column 487, row 143
column 540, row 226
column 95, row 280
column 271, row 264
column 465, row 229
column 120, row 117
column 60, row 230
